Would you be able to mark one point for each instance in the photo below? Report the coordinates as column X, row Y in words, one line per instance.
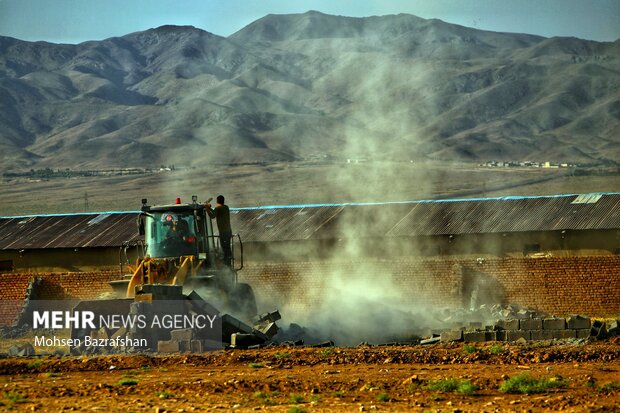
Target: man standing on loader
column 222, row 214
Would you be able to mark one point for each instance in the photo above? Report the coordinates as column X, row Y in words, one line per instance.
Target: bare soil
column 282, row 379
column 292, row 183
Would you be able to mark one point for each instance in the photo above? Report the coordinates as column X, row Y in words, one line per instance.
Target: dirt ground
column 329, row 379
column 292, row 183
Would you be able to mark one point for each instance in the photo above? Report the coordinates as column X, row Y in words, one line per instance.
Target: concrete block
column 185, row 334
column 583, row 333
column 25, row 350
column 578, row 322
column 598, row 330
column 474, row 336
column 119, row 333
column 613, row 327
column 184, row 345
column 490, row 335
column 270, row 317
column 564, row 334
column 451, row 335
column 541, row 334
column 244, row 340
column 509, row 324
column 554, row 324
column 196, row 346
column 168, row 346
column 500, row 335
column 514, row 335
column 530, row 324
column 269, row 330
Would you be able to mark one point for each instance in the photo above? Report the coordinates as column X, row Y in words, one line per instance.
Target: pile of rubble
column 512, row 323
column 159, row 302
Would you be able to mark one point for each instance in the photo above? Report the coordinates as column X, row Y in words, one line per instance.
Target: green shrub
column 383, row 397
column 609, row 387
column 296, row 398
column 526, row 384
column 496, row 349
column 465, row 387
column 256, row 365
column 469, row 349
column 127, row 382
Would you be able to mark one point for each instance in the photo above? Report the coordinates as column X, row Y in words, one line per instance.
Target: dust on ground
column 329, row 379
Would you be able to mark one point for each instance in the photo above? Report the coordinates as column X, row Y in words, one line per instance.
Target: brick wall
column 81, row 285
column 13, row 290
column 557, row 285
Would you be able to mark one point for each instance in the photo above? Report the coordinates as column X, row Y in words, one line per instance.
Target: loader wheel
column 243, row 302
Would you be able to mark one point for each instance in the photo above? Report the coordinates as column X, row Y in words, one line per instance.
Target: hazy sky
column 73, row 21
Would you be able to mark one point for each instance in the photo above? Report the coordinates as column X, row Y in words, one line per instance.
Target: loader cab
column 177, row 230
column 170, row 234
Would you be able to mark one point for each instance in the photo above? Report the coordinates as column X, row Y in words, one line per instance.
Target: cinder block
column 185, row 334
column 564, row 334
column 541, row 334
column 490, row 335
column 554, row 324
column 530, row 324
column 474, row 336
column 510, row 324
column 184, row 345
column 514, row 335
column 244, row 340
column 578, row 322
column 196, row 346
column 451, row 335
column 583, row 333
column 168, row 346
column 500, row 335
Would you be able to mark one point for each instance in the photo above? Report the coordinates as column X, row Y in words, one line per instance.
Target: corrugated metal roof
column 329, row 221
column 68, row 231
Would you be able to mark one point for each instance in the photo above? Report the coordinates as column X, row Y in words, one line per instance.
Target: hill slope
column 290, row 87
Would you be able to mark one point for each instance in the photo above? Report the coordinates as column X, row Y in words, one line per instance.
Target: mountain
column 289, row 87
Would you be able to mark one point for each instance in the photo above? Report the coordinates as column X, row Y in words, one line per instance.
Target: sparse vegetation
column 296, row 399
column 470, row 349
column 450, row 385
column 326, row 352
column 33, row 365
column 265, row 398
column 383, row 397
column 297, row 409
column 256, row 365
column 526, row 384
column 496, row 349
column 610, row 387
column 281, row 356
column 165, row 394
column 14, row 397
column 52, row 374
column 339, row 393
column 127, row 382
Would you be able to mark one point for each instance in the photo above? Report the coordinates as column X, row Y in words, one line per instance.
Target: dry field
column 291, row 183
column 452, row 378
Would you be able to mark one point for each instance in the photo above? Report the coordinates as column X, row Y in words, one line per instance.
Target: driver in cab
column 179, row 238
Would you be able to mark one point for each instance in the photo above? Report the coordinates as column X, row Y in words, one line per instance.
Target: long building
column 560, row 225
column 559, row 254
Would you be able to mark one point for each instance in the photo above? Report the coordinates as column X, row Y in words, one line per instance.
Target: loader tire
column 244, row 302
